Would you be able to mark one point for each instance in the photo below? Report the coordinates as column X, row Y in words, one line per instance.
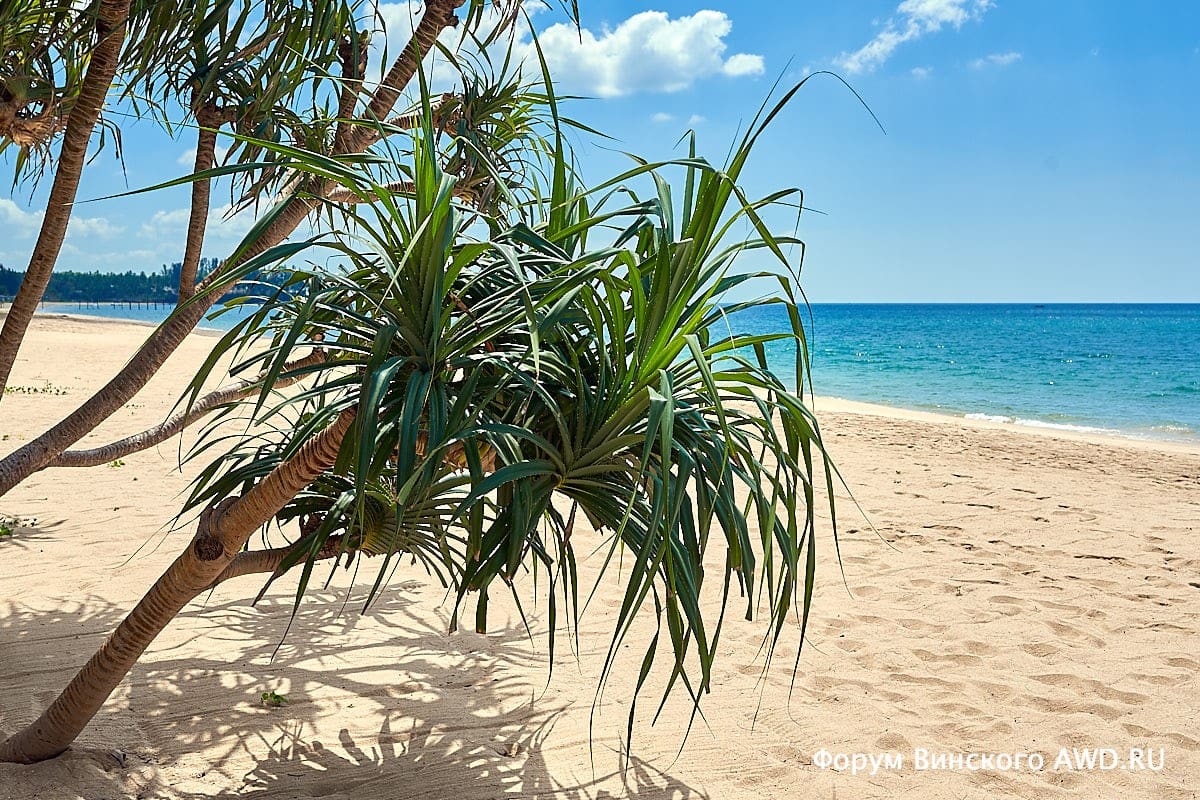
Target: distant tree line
column 117, row 287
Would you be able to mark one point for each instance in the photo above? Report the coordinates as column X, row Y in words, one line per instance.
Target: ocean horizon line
column 1126, row 369
column 1032, row 303
column 95, row 303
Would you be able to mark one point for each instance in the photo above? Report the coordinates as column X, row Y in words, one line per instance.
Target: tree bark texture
column 221, row 534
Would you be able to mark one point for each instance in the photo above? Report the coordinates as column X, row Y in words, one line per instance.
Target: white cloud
column 224, row 224
column 997, row 59
column 18, row 222
column 93, row 226
column 172, row 225
column 164, row 223
column 662, row 116
column 22, row 224
column 648, row 52
column 920, row 73
column 913, row 19
column 740, row 64
column 188, row 157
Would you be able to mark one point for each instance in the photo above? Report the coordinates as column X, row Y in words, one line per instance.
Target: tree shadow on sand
column 19, row 535
column 422, row 713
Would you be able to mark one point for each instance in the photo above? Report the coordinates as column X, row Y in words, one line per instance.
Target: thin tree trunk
column 110, row 35
column 146, row 439
column 223, row 531
column 439, row 15
column 35, row 455
column 208, row 121
column 353, row 56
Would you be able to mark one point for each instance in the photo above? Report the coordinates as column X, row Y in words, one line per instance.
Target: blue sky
column 1034, row 151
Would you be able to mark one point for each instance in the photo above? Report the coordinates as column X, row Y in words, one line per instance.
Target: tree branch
column 149, row 438
column 249, row 562
column 344, row 195
column 264, row 500
column 442, row 120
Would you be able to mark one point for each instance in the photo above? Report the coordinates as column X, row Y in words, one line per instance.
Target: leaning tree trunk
column 208, row 120
column 102, row 67
column 38, row 453
column 222, row 532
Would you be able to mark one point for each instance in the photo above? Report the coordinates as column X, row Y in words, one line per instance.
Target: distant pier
column 130, row 304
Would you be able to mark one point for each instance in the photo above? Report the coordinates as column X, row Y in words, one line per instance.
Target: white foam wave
column 1039, row 423
column 1065, row 426
column 989, row 417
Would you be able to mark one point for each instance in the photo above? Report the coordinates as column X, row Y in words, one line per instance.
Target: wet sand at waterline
column 1024, row 593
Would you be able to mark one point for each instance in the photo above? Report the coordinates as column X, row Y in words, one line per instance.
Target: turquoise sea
column 1127, row 369
column 1133, row 370
column 144, row 313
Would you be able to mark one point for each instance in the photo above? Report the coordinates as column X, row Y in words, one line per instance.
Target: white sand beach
column 1019, row 592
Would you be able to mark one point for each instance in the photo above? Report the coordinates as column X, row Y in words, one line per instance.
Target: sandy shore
column 1021, row 592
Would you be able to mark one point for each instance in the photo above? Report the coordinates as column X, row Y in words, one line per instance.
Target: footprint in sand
column 1087, row 686
column 893, row 741
column 962, row 659
column 980, row 648
column 853, row 646
column 1039, row 649
column 1183, row 663
column 1070, row 634
column 920, row 625
column 1058, row 705
column 840, row 684
column 960, row 710
column 789, row 753
column 1186, row 742
column 966, row 732
column 1158, row 680
column 1079, row 514
column 924, row 680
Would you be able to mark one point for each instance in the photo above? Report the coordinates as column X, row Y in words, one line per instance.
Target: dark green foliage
column 522, row 367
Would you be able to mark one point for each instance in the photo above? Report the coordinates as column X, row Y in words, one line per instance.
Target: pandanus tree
column 494, row 363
